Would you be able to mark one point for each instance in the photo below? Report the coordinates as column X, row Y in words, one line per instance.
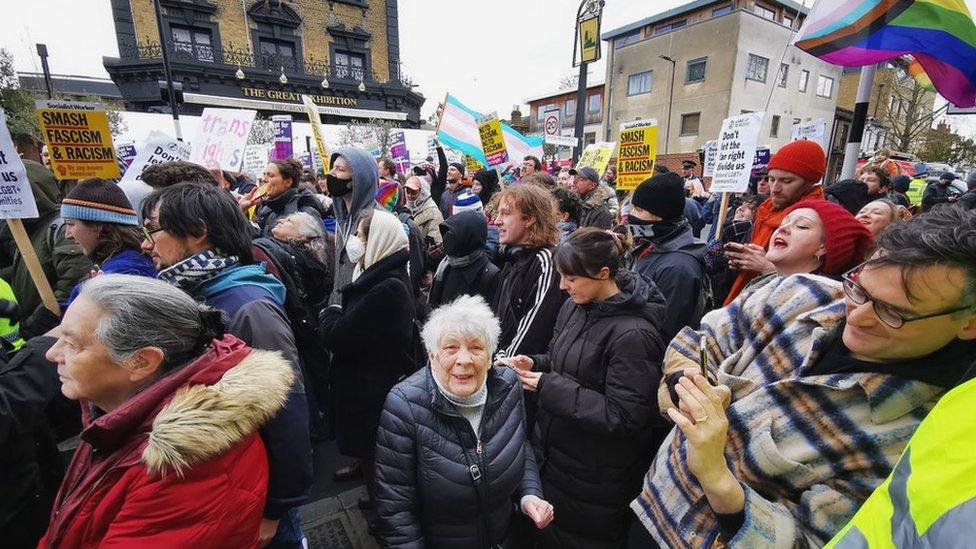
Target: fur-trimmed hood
column 599, row 196
column 202, row 421
column 198, row 411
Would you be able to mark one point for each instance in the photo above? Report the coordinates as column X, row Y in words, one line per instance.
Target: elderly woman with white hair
column 451, row 452
column 305, row 231
column 169, row 455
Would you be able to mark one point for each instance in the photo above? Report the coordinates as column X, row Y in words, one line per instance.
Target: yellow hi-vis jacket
column 929, row 500
column 9, row 329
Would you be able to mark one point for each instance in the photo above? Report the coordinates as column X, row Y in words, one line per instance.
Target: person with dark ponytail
column 596, row 391
column 170, row 453
column 282, row 195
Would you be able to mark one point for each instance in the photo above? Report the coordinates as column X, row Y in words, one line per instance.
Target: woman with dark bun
column 596, row 387
column 278, row 195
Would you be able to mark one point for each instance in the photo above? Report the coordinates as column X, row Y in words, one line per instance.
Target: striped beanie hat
column 388, row 194
column 467, row 201
column 98, row 200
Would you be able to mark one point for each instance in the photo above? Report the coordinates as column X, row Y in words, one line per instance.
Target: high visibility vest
column 915, row 190
column 929, row 500
column 9, row 330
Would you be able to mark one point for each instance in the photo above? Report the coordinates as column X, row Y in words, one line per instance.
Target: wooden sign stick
column 723, row 209
column 33, row 265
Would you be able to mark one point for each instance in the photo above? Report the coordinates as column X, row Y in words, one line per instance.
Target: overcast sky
column 491, row 55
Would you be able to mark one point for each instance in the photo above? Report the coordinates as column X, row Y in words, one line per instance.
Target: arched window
column 277, row 36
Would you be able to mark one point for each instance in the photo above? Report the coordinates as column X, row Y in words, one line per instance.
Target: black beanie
column 662, row 195
column 459, row 166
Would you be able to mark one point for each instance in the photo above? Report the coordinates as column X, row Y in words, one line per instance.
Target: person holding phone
column 795, row 172
column 596, row 408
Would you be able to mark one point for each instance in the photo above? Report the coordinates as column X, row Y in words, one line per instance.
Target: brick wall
column 234, row 31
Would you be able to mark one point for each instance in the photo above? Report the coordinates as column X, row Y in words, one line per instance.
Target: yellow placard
column 589, row 39
column 318, row 134
column 638, row 151
column 78, row 139
column 492, row 140
column 597, row 156
column 471, row 164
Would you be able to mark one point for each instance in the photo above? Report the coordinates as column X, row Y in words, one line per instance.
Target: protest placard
column 78, row 138
column 711, row 155
column 318, row 134
column 281, row 124
column 157, row 149
column 736, row 152
column 492, row 140
column 398, row 150
column 16, row 202
column 256, row 157
column 126, row 153
column 221, row 138
column 471, row 164
column 760, row 163
column 597, row 155
column 16, row 197
column 814, row 130
column 638, row 151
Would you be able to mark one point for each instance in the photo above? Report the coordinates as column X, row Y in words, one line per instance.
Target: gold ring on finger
column 702, row 419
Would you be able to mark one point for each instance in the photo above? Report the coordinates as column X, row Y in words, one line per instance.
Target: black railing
column 237, row 57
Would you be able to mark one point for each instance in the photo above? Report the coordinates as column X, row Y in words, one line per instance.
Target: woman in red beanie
column 795, row 172
column 816, row 237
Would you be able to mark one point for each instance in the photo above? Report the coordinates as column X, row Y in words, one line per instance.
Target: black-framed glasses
column 886, row 312
column 148, row 234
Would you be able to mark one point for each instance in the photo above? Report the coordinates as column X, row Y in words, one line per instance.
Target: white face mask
column 355, row 249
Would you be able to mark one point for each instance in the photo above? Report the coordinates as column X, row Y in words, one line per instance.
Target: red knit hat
column 804, row 158
column 846, row 240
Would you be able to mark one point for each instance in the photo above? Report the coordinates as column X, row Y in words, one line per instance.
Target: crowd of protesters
column 532, row 361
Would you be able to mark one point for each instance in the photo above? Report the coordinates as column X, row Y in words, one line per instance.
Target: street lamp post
column 167, row 72
column 42, row 53
column 588, row 10
column 667, row 132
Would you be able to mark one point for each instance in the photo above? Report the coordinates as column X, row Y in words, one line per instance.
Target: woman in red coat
column 169, row 455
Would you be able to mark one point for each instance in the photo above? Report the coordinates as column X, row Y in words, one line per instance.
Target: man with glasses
column 200, row 241
column 816, row 390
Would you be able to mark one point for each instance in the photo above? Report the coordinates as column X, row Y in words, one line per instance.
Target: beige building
column 730, row 57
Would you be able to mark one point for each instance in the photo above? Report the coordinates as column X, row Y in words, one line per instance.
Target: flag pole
column 864, row 86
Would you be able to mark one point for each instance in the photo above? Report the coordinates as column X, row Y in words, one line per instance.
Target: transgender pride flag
column 459, row 131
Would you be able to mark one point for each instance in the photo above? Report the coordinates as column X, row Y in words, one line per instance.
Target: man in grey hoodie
column 352, row 184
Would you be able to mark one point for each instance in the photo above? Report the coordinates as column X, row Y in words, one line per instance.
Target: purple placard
column 399, row 152
column 282, row 137
column 761, row 161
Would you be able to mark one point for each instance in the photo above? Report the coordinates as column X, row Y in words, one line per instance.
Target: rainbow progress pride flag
column 938, row 34
column 459, row 131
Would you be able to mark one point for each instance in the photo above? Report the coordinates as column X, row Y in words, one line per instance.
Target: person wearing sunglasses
column 816, row 388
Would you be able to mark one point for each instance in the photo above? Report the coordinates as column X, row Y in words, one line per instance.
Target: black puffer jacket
column 371, row 338
column 293, row 200
column 426, row 495
column 597, row 406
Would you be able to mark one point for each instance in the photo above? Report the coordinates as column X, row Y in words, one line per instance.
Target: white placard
column 16, row 196
column 711, row 155
column 736, row 153
column 157, row 149
column 815, row 130
column 256, row 159
column 221, row 138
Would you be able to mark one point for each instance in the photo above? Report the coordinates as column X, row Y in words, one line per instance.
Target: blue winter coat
column 130, row 262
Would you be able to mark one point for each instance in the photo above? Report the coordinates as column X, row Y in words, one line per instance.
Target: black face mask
column 641, row 227
column 338, row 187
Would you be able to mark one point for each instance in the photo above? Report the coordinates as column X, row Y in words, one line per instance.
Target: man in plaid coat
column 816, row 389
